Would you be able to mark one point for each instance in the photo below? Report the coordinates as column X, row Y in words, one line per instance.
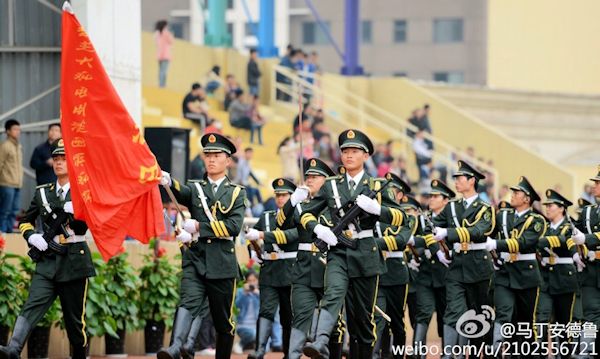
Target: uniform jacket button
column 531, row 266
column 82, row 251
column 208, row 241
column 374, row 249
column 551, row 268
column 484, row 257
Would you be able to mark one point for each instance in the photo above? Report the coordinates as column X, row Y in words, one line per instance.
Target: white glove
column 184, row 236
column 368, row 205
column 495, row 266
column 38, row 242
column 427, row 254
column 253, row 235
column 255, row 258
column 414, row 265
column 165, row 179
column 190, row 225
column 440, row 233
column 326, row 235
column 411, row 241
column 68, row 207
column 578, row 237
column 578, row 262
column 491, row 244
column 591, row 256
column 299, row 195
column 442, row 258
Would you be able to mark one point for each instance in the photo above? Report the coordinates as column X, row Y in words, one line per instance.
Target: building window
column 400, row 31
column 230, row 29
column 251, row 28
column 401, row 74
column 230, row 4
column 447, row 30
column 453, row 77
column 312, row 34
column 177, row 29
column 366, row 32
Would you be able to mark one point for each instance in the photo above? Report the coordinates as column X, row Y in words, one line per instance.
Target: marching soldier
column 465, row 224
column 431, row 279
column 63, row 262
column 210, row 267
column 517, row 281
column 352, row 269
column 393, row 284
column 309, row 270
column 588, row 234
column 276, row 270
column 559, row 257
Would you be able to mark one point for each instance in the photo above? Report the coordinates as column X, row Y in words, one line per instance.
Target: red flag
column 113, row 173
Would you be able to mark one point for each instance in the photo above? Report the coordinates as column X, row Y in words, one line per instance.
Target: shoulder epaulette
column 237, row 185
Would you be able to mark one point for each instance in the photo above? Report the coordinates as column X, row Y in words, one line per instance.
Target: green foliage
column 122, row 289
column 11, row 290
column 159, row 294
column 99, row 318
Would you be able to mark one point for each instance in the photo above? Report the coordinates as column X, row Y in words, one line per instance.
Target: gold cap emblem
column 548, row 193
column 61, row 143
column 280, row 182
column 404, row 199
column 313, row 163
column 212, row 139
column 350, row 134
column 521, row 179
column 459, row 163
column 434, row 183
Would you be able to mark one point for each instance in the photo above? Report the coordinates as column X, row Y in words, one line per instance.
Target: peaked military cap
column 597, row 178
column 355, row 139
column 582, row 202
column 525, row 186
column 398, row 182
column 282, row 185
column 213, row 142
column 554, row 197
column 315, row 166
column 439, row 187
column 409, row 201
column 465, row 169
column 58, row 148
column 504, row 205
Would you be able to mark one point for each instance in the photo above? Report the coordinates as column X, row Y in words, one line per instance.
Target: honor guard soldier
column 465, row 224
column 517, row 280
column 275, row 272
column 210, row 267
column 353, row 267
column 431, row 279
column 63, row 262
column 393, row 284
column 588, row 234
column 309, row 270
column 559, row 274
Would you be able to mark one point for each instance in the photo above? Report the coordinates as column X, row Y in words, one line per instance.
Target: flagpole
column 300, row 130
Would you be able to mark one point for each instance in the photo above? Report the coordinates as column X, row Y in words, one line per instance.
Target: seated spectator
column 214, row 126
column 288, row 153
column 244, row 174
column 422, row 152
column 238, row 112
column 258, row 121
column 213, row 80
column 326, row 151
column 319, row 130
column 231, row 86
column 197, row 167
column 194, row 106
column 399, row 168
column 247, row 301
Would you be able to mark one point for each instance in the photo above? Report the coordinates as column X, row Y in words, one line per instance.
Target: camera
column 251, row 287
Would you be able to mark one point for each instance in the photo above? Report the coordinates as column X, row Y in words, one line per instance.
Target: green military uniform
column 280, row 249
column 308, row 275
column 393, row 284
column 559, row 275
column 354, row 271
column 63, row 275
column 589, row 224
column 578, row 307
column 468, row 278
column 431, row 278
column 518, row 280
column 209, row 266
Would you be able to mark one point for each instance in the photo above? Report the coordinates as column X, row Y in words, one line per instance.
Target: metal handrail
column 380, row 111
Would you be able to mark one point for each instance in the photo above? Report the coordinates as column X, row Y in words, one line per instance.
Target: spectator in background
column 214, row 126
column 286, row 61
column 11, row 175
column 399, row 168
column 423, row 156
column 41, row 158
column 238, row 112
column 244, row 174
column 288, row 154
column 194, row 106
column 231, row 86
column 421, row 122
column 504, row 194
column 197, row 168
column 247, row 301
column 319, row 130
column 258, row 121
column 253, row 73
column 213, row 80
column 164, row 41
column 326, row 151
column 470, row 153
column 588, row 193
